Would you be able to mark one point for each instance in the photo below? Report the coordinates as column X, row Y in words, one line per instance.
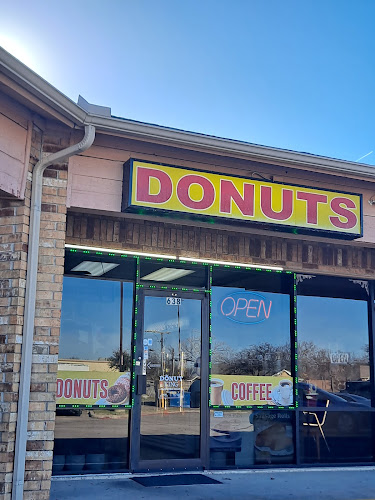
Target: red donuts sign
column 173, row 189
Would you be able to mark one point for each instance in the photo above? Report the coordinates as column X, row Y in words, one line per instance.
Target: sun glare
column 18, row 50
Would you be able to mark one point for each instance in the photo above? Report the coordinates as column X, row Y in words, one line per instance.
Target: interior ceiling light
column 94, row 268
column 233, row 264
column 167, row 274
column 121, row 252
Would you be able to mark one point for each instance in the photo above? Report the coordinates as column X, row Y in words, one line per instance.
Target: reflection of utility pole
column 161, row 333
column 181, row 386
column 121, row 360
column 161, row 339
column 179, row 335
column 180, row 359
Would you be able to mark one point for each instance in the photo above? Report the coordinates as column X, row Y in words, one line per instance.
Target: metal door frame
column 137, row 465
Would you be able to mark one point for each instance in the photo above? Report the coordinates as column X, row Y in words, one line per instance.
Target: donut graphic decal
column 119, row 393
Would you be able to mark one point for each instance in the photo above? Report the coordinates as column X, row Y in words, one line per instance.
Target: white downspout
column 30, row 300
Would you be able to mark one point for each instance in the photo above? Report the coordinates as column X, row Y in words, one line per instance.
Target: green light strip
column 93, row 407
column 209, row 333
column 295, row 340
column 251, row 407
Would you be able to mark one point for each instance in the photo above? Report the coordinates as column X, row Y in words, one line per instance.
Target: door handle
column 141, row 385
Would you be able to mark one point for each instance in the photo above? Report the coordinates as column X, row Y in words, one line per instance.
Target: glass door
column 170, row 407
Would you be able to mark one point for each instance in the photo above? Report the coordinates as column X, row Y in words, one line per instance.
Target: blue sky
column 296, row 75
column 334, row 324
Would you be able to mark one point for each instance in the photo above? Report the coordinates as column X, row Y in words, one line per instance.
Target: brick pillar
column 14, row 230
column 39, row 450
column 13, row 233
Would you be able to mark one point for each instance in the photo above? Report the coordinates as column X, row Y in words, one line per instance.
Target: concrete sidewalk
column 354, row 483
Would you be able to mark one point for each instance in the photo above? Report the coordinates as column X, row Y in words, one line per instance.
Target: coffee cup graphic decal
column 216, row 385
column 283, row 393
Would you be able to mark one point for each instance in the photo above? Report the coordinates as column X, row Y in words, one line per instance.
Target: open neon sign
column 246, row 307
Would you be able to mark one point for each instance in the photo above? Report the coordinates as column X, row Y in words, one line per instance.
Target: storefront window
column 250, row 331
column 336, row 417
column 252, row 369
column 333, row 344
column 94, row 378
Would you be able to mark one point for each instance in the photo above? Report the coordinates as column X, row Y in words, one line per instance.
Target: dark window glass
column 247, row 438
column 91, row 441
column 336, row 436
column 92, row 264
column 250, row 331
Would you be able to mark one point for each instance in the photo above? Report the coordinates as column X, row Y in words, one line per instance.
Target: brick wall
column 13, row 233
column 207, row 243
column 14, row 226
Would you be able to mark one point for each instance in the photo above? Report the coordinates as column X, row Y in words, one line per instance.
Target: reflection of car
column 312, row 396
column 354, row 398
column 359, row 387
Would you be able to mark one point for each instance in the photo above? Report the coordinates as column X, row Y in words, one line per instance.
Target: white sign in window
column 339, row 358
column 173, row 301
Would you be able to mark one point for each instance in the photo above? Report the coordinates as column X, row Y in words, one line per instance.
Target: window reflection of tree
column 258, row 359
column 191, row 347
column 314, row 363
column 120, row 361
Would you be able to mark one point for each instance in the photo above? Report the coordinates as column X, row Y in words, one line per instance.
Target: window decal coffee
column 233, row 390
column 196, row 193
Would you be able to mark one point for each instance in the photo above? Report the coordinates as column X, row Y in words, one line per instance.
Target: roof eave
column 37, row 86
column 219, row 145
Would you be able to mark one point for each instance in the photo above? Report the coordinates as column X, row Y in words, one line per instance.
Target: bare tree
column 120, row 362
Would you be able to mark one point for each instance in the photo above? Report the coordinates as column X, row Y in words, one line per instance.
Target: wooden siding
column 15, row 143
column 206, row 243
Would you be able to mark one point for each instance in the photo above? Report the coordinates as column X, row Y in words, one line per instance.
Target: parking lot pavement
column 354, row 483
